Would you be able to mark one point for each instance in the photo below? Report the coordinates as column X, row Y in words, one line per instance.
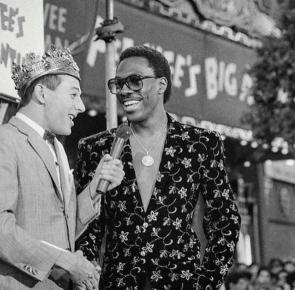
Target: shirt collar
column 31, row 123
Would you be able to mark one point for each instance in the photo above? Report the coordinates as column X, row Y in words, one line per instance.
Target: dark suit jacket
column 160, row 243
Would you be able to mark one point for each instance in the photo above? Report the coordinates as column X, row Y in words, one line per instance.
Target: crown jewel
column 54, row 61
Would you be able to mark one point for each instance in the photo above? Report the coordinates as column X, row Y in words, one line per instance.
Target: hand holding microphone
column 112, row 173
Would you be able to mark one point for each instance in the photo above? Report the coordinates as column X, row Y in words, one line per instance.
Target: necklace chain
column 138, row 141
column 147, row 159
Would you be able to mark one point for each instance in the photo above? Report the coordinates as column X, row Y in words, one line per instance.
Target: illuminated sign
column 209, row 73
column 21, row 32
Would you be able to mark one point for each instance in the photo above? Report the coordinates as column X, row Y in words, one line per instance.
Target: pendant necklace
column 147, row 159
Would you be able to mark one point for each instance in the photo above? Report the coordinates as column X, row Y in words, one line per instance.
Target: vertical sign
column 21, row 32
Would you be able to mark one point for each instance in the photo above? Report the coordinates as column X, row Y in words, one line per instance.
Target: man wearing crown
column 40, row 215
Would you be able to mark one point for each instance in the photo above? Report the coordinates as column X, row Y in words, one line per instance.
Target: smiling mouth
column 130, row 101
column 129, row 104
column 72, row 117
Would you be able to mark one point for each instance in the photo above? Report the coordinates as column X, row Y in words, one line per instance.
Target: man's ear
column 163, row 85
column 39, row 94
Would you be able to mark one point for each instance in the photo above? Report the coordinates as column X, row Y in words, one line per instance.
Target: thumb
column 79, row 253
column 107, row 157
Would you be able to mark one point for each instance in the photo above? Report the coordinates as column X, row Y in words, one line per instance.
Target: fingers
column 111, row 170
column 108, row 158
column 83, row 270
column 97, row 277
column 108, row 169
column 89, row 285
column 112, row 163
column 110, row 173
column 91, row 281
column 80, row 287
column 106, row 164
column 97, row 268
column 95, row 274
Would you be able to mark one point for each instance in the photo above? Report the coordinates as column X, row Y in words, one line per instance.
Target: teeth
column 130, row 103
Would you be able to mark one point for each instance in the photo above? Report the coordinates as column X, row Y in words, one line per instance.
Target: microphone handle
column 115, row 153
column 102, row 186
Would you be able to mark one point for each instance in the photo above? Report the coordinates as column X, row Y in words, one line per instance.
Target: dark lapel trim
column 173, row 139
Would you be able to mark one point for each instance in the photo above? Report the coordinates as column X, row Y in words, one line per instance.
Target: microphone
column 122, row 135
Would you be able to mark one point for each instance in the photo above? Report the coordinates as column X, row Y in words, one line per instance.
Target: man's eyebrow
column 76, row 89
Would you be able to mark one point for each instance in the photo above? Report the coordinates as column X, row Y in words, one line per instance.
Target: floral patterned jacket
column 160, row 243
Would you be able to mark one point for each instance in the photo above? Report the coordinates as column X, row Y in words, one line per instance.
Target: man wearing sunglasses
column 150, row 241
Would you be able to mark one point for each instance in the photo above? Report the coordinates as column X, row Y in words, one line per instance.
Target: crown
column 54, row 61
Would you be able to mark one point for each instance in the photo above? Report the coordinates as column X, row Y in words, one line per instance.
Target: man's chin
column 134, row 117
column 68, row 133
column 65, row 132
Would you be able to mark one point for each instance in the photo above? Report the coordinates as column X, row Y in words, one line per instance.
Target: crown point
column 54, row 61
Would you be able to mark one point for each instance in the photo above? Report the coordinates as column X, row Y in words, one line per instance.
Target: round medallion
column 147, row 160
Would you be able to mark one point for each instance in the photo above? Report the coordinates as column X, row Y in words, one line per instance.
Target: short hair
column 263, row 268
column 156, row 60
column 50, row 81
column 235, row 276
column 276, row 262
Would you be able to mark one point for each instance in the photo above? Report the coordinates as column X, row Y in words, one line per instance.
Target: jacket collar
column 39, row 146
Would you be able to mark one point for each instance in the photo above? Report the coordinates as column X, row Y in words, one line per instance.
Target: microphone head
column 123, row 131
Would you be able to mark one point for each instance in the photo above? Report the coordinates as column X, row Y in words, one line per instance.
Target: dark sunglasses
column 133, row 82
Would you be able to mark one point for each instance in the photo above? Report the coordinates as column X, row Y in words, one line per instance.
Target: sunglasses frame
column 124, row 81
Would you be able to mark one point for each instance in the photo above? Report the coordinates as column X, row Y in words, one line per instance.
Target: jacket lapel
column 126, row 158
column 40, row 147
column 170, row 150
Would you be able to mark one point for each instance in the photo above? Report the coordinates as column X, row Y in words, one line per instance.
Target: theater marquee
column 21, row 31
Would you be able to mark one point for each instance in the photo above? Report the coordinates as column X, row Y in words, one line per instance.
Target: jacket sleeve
column 91, row 239
column 17, row 247
column 221, row 219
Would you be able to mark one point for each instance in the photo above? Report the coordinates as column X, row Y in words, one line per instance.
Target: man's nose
column 125, row 90
column 79, row 105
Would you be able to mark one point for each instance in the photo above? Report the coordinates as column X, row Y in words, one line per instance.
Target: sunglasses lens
column 134, row 82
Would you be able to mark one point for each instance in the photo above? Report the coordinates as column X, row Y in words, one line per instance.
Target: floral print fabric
column 160, row 243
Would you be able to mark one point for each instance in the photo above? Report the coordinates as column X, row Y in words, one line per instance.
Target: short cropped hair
column 156, row 61
column 235, row 276
column 49, row 81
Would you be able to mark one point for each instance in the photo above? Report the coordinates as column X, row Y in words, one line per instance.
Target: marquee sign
column 21, row 32
column 209, row 73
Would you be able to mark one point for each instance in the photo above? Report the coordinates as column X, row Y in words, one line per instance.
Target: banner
column 21, row 32
column 210, row 83
column 209, row 73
